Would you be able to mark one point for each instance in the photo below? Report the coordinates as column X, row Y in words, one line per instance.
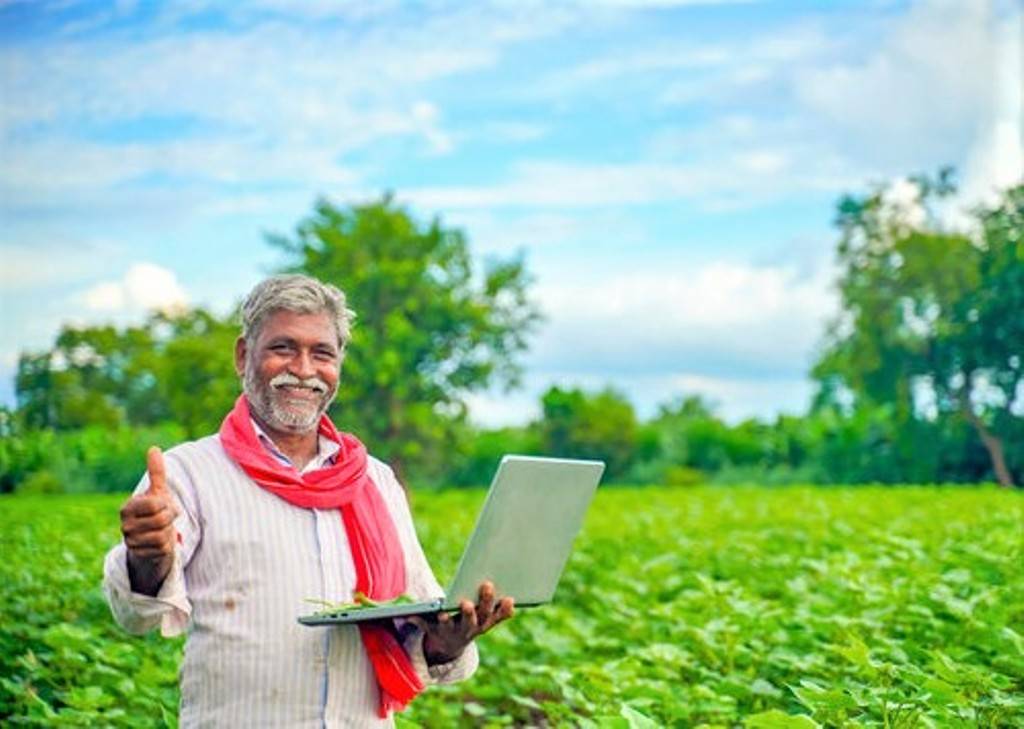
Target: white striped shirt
column 247, row 562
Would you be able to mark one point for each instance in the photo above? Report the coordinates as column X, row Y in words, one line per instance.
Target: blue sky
column 668, row 169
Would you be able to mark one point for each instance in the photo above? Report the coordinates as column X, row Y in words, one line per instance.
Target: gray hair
column 299, row 294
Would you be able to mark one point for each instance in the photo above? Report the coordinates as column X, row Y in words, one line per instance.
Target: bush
column 90, row 460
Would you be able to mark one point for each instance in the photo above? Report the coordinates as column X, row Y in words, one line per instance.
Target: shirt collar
column 326, row 451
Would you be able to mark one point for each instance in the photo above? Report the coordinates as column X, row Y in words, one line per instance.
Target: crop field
column 749, row 607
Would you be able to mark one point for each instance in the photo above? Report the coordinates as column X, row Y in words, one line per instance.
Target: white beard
column 271, row 405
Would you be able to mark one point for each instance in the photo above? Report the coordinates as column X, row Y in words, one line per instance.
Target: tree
column 600, row 426
column 195, row 368
column 429, row 331
column 95, row 375
column 932, row 320
column 172, row 367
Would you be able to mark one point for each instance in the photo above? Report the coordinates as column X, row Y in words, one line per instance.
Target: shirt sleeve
column 421, row 584
column 170, row 608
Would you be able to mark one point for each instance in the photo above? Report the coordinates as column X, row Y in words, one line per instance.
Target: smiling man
column 229, row 536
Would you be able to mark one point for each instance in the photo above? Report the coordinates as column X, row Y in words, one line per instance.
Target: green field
column 727, row 607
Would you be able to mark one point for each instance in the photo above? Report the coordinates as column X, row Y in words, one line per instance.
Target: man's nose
column 303, row 365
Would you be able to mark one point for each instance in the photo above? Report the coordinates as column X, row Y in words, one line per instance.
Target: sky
column 668, row 169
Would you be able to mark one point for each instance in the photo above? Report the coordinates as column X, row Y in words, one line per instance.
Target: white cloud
column 722, row 319
column 740, row 335
column 274, row 102
column 144, row 287
column 46, row 258
column 740, row 179
column 917, row 94
column 996, row 159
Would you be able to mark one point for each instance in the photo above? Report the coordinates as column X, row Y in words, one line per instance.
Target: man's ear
column 240, row 352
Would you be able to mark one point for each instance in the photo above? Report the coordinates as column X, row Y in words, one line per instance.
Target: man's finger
column 506, row 609
column 502, row 612
column 145, row 505
column 162, row 539
column 485, row 606
column 155, row 522
column 157, row 471
column 469, row 622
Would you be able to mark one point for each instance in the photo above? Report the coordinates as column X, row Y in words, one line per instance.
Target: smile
column 299, row 391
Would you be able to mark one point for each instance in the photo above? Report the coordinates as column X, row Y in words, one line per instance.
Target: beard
column 271, row 404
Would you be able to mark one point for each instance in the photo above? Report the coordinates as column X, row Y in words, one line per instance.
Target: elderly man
column 230, row 536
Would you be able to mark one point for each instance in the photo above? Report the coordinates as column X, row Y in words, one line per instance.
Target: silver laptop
column 521, row 542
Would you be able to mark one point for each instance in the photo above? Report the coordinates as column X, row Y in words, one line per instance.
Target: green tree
column 601, row 426
column 430, row 329
column 932, row 321
column 195, row 368
column 93, row 375
column 172, row 367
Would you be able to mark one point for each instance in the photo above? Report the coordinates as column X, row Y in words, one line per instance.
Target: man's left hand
column 447, row 635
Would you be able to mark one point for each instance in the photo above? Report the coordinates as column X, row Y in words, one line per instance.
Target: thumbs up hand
column 147, row 523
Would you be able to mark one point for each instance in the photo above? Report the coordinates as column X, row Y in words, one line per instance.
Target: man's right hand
column 147, row 523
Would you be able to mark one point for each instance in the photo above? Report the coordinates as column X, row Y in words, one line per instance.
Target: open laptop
column 521, row 542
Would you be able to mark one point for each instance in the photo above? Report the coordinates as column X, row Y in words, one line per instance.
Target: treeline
column 686, row 443
column 919, row 378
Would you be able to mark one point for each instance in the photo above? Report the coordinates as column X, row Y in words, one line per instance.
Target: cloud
column 719, row 320
column 996, row 159
column 740, row 335
column 144, row 287
column 273, row 102
column 741, row 179
column 916, row 94
column 44, row 258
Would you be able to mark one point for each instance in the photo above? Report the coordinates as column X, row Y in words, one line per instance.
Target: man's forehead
column 299, row 325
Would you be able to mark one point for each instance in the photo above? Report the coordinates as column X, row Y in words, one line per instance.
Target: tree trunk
column 992, row 444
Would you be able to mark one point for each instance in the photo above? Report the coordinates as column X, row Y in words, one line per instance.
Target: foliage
column 430, row 329
column 175, row 367
column 92, row 375
column 932, row 320
column 602, row 426
column 687, row 437
column 483, row 450
column 92, row 459
column 788, row 607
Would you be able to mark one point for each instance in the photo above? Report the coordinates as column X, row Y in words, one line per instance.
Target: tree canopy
column 430, row 329
column 932, row 320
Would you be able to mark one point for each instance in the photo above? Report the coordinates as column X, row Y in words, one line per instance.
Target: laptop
column 521, row 541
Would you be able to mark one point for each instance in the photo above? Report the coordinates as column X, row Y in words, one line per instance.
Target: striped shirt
column 246, row 563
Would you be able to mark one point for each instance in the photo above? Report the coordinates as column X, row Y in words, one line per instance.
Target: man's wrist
column 145, row 576
column 437, row 657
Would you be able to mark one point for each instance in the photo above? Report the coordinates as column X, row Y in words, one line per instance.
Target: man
column 230, row 536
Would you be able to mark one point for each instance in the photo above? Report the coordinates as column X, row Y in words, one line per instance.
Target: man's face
column 290, row 375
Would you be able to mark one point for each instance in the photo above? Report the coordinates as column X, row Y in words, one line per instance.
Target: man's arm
column 143, row 575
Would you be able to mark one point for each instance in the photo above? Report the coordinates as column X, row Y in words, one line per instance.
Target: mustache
column 286, row 379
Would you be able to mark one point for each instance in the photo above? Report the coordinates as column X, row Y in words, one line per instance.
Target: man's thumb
column 157, row 471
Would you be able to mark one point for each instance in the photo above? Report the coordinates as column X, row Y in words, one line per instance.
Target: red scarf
column 376, row 551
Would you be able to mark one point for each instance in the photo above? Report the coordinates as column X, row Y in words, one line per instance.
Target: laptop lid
column 525, row 531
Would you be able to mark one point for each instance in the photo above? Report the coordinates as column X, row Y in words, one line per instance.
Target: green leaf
column 775, row 719
column 636, row 720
